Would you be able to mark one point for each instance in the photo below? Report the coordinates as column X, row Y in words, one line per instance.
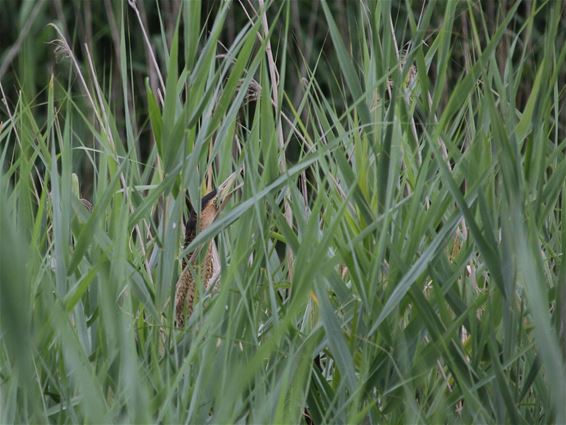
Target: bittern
column 186, row 288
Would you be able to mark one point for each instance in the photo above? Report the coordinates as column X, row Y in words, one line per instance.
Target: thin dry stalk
column 153, row 60
column 106, row 125
column 273, row 74
column 103, row 121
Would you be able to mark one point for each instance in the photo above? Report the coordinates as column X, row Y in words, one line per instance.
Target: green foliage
column 394, row 254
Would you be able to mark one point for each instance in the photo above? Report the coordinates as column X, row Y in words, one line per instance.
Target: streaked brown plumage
column 185, row 291
column 186, row 285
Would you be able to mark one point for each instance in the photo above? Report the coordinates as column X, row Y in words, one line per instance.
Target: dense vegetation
column 395, row 253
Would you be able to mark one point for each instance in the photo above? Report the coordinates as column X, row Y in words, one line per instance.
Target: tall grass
column 395, row 254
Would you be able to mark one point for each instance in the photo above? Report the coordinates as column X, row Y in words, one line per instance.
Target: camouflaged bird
column 186, row 287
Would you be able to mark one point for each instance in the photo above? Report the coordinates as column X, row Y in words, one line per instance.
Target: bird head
column 213, row 202
column 211, row 205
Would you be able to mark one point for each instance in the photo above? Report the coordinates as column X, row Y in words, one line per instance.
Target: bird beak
column 227, row 188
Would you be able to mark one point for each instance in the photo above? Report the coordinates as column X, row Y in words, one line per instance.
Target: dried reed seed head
column 61, row 49
column 87, row 204
column 254, row 90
